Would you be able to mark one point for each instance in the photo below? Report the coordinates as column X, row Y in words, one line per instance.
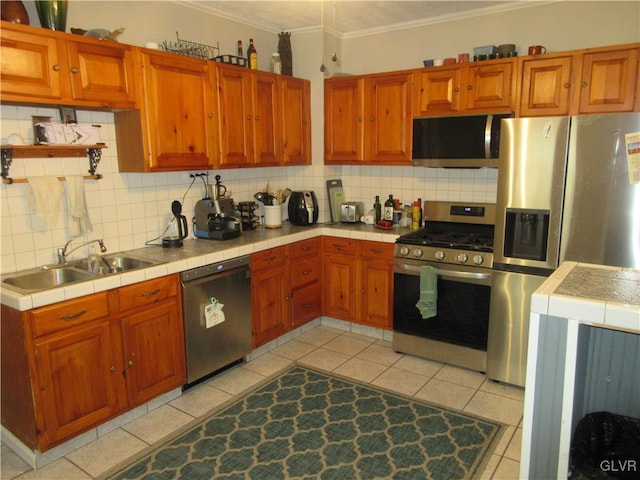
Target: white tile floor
column 357, row 356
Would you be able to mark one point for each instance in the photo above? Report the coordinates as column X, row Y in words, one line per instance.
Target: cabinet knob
column 257, row 118
column 456, row 89
column 210, row 115
column 131, row 363
column 372, row 118
column 567, row 85
column 248, row 117
column 74, row 69
column 584, row 84
column 56, row 68
column 469, row 87
column 112, row 369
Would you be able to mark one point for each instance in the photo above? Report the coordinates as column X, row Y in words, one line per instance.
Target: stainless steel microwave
column 466, row 141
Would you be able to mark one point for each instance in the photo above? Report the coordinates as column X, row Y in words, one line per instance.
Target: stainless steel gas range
column 457, row 241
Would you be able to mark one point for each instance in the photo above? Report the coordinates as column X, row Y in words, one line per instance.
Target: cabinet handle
column 74, row 69
column 56, row 68
column 131, row 363
column 306, row 249
column 72, row 316
column 338, row 245
column 567, row 85
column 151, row 293
column 584, row 84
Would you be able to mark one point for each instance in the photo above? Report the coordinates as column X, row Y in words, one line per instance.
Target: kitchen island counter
column 196, row 253
column 583, row 357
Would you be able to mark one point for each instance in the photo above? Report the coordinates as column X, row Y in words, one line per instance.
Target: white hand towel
column 79, row 222
column 45, row 197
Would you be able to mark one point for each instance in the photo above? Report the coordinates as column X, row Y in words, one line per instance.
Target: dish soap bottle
column 252, row 55
column 377, row 208
column 388, row 208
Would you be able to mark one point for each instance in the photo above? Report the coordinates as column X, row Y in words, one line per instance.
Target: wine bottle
column 240, row 54
column 252, row 55
column 388, row 208
column 377, row 208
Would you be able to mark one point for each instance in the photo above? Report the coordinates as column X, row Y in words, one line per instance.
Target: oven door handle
column 453, row 273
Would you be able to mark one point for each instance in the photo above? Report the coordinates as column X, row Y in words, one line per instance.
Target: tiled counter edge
column 195, row 253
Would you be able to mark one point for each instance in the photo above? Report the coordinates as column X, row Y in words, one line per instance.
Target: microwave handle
column 487, row 136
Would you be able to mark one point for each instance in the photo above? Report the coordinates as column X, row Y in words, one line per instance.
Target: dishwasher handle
column 214, row 268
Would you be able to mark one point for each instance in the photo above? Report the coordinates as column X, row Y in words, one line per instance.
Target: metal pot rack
column 9, row 152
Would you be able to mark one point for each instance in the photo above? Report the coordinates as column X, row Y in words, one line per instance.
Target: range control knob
column 478, row 259
column 462, row 257
column 439, row 255
column 404, row 251
column 418, row 252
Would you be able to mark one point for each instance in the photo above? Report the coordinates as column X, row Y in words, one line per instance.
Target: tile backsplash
column 128, row 210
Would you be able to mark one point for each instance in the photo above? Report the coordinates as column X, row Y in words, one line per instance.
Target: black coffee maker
column 177, row 229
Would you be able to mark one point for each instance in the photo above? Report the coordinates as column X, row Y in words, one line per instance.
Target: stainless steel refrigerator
column 564, row 193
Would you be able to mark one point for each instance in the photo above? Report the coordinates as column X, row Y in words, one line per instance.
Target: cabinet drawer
column 305, row 271
column 148, row 292
column 377, row 250
column 339, row 245
column 305, row 248
column 67, row 314
column 307, row 303
column 275, row 257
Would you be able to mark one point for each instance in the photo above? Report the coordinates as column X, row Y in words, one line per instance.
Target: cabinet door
column 437, row 91
column 307, row 304
column 236, row 116
column 377, row 293
column 270, row 293
column 546, row 85
column 31, row 67
column 153, row 348
column 343, row 120
column 266, row 117
column 489, row 87
column 179, row 112
column 102, row 73
column 609, row 81
column 388, row 118
column 339, row 286
column 295, row 100
column 77, row 379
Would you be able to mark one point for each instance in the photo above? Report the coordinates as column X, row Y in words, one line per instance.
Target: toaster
column 350, row 212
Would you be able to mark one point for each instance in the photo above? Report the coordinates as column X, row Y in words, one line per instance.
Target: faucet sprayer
column 62, row 252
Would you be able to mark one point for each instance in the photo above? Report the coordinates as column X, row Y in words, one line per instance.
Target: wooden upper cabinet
column 47, row 67
column 343, row 119
column 609, row 81
column 178, row 112
column 545, row 85
column 388, row 118
column 295, row 100
column 266, row 117
column 490, row 87
column 438, row 91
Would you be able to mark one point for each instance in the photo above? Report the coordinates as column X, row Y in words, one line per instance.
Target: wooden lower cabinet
column 71, row 366
column 305, row 275
column 358, row 281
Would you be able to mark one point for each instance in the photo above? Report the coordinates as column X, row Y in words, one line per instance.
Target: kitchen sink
column 44, row 279
column 108, row 264
column 53, row 276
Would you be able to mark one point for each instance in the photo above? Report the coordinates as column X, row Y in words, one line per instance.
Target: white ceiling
column 349, row 18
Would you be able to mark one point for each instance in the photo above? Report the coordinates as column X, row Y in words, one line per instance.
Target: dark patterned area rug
column 313, row 425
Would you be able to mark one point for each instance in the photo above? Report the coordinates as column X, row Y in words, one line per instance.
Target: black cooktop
column 452, row 235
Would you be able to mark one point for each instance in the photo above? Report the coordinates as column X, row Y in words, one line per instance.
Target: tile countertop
column 196, row 253
column 597, row 295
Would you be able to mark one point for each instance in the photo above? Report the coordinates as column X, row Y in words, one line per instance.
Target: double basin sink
column 53, row 276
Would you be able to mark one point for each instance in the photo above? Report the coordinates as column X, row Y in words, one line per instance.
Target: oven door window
column 463, row 311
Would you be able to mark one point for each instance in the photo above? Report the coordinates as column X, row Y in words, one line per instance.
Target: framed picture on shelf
column 68, row 115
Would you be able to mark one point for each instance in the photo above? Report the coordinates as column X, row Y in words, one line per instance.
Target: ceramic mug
column 537, row 50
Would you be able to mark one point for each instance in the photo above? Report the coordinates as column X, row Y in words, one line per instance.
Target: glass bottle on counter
column 389, row 205
column 377, row 208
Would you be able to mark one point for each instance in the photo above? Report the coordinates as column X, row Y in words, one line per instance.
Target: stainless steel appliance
column 303, row 208
column 564, row 193
column 460, row 141
column 216, row 303
column 350, row 212
column 457, row 240
column 177, row 230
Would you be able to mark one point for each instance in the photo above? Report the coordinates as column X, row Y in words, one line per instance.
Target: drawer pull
column 338, row 245
column 152, row 293
column 376, row 250
column 131, row 364
column 72, row 316
column 306, row 272
column 307, row 305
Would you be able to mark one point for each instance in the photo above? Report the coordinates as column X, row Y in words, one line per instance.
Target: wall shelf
column 9, row 152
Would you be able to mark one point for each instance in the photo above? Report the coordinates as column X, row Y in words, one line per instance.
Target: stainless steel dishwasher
column 216, row 302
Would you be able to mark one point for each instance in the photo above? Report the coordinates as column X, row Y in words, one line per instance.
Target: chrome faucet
column 62, row 252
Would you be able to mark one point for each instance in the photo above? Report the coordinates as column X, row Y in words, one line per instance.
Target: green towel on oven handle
column 428, row 301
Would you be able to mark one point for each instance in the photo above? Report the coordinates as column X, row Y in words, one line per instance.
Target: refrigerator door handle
column 487, row 136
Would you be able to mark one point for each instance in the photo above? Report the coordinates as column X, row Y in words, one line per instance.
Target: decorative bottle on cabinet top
column 252, row 55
